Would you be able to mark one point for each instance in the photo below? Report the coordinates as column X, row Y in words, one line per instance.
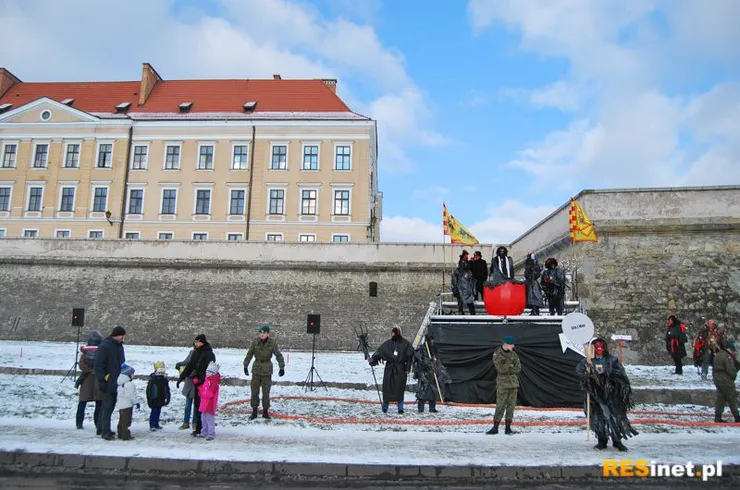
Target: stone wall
column 640, row 272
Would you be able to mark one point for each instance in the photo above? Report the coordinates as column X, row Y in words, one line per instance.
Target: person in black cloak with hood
column 430, row 375
column 502, row 266
column 675, row 342
column 532, row 272
column 604, row 378
column 398, row 356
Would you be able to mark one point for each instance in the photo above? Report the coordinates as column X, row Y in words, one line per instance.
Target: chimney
column 7, row 80
column 331, row 83
column 276, row 76
column 149, row 78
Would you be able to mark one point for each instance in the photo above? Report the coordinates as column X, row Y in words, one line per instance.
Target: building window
column 200, row 236
column 274, row 237
column 340, row 238
column 105, row 155
column 67, row 204
column 205, row 157
column 63, row 234
column 240, row 157
column 140, row 157
column 234, row 237
column 279, row 157
column 308, row 201
column 2, row 232
column 132, row 235
column 165, row 235
column 9, row 152
column 202, row 202
column 343, row 159
column 169, row 201
column 135, row 201
column 72, row 158
column 341, row 202
column 95, row 234
column 311, row 157
column 277, row 201
column 306, row 237
column 5, row 199
column 30, row 233
column 41, row 156
column 100, row 199
column 35, row 196
column 236, row 203
column 172, row 158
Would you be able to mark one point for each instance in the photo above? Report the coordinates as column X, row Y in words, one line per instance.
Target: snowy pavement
column 340, row 425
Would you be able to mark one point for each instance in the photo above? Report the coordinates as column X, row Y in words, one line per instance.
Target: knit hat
column 212, row 368
column 265, row 328
column 127, row 370
column 509, row 340
column 396, row 331
column 118, row 330
column 201, row 338
column 159, row 367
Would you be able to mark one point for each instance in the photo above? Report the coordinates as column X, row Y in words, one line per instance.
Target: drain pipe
column 251, row 177
column 125, row 179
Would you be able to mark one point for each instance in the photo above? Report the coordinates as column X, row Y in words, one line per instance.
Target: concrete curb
column 16, row 461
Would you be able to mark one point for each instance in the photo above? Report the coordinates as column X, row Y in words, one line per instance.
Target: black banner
column 547, row 379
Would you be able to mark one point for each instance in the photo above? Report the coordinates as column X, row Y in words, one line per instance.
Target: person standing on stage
column 398, row 356
column 502, row 266
column 479, row 268
column 553, row 282
column 532, row 272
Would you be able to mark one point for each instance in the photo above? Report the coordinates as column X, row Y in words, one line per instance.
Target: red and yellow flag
column 581, row 228
column 457, row 232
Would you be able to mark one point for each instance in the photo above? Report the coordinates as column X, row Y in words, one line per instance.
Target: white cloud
column 410, row 230
column 84, row 40
column 631, row 133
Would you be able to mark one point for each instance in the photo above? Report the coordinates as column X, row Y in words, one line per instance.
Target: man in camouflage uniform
column 725, row 373
column 507, row 366
column 262, row 350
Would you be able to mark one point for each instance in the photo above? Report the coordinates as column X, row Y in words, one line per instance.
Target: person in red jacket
column 208, row 391
column 675, row 342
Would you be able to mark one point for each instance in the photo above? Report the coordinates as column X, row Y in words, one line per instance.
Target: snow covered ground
column 339, row 425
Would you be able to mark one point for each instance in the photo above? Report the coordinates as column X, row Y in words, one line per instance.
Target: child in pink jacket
column 209, row 400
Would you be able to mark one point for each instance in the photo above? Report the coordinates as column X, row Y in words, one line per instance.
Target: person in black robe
column 502, row 267
column 604, row 378
column 532, row 272
column 398, row 356
column 553, row 282
column 675, row 342
column 430, row 375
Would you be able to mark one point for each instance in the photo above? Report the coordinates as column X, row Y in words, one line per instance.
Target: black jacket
column 108, row 362
column 196, row 367
column 480, row 270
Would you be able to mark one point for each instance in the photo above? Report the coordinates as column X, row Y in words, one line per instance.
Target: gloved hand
column 281, row 372
column 196, row 381
column 178, row 383
column 138, row 406
column 246, row 371
column 373, row 362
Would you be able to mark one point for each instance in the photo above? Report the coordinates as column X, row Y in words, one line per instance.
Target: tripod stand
column 72, row 373
column 309, row 379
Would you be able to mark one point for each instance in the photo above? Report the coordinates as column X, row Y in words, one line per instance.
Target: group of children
column 158, row 396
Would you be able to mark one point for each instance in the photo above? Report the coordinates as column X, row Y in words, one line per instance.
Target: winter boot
column 508, row 430
column 737, row 418
column 254, row 413
column 493, row 430
column 621, row 447
column 433, row 406
column 384, row 407
column 602, row 444
column 266, row 414
column 184, row 426
column 718, row 419
column 400, row 407
column 420, row 404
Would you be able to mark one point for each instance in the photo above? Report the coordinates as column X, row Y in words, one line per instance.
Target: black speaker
column 313, row 323
column 373, row 289
column 78, row 317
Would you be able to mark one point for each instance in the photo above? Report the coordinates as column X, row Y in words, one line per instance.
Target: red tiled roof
column 206, row 95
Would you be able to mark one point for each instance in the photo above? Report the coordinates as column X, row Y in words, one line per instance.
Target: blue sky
column 501, row 108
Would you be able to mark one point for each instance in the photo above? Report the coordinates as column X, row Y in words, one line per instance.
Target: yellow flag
column 458, row 233
column 581, row 228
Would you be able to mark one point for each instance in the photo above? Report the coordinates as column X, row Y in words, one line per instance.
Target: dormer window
column 185, row 106
column 68, row 102
column 250, row 106
column 5, row 107
column 123, row 107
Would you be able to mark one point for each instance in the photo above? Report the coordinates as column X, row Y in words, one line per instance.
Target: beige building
column 186, row 160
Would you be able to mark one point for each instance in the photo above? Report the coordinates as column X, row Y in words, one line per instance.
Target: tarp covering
column 547, row 379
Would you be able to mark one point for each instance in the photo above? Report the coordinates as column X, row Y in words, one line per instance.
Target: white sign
column 578, row 328
column 621, row 337
column 566, row 344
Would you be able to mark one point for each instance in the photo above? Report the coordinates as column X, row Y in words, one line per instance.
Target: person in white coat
column 127, row 400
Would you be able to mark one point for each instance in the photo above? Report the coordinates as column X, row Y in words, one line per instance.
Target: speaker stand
column 310, row 378
column 72, row 373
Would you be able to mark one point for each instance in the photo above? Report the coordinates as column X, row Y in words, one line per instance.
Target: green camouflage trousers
column 264, row 382
column 505, row 403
